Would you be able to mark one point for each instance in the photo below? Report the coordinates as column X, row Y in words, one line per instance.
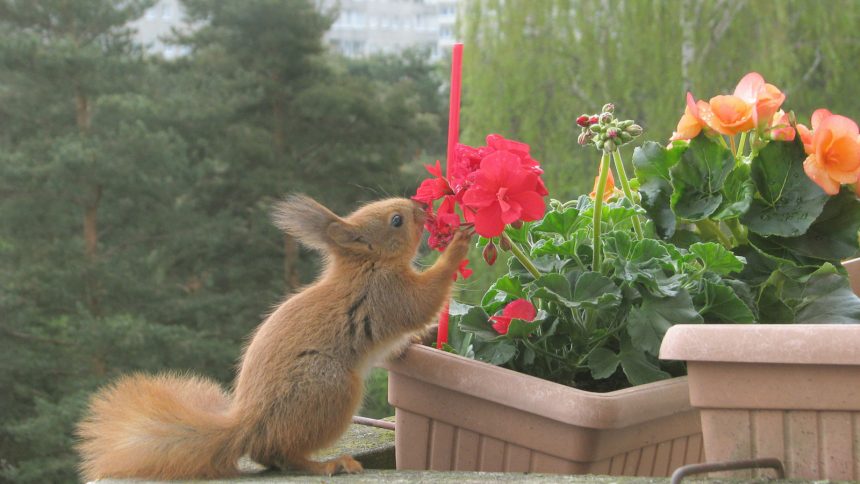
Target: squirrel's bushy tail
column 158, row 427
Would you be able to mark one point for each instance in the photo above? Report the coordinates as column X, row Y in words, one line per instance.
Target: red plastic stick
column 454, row 104
column 453, row 138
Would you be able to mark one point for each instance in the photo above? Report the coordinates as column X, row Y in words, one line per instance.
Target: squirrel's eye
column 396, row 221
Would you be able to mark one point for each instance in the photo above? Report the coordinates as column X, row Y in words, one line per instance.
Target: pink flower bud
column 585, row 137
column 583, row 121
column 490, row 253
column 612, row 132
column 593, row 120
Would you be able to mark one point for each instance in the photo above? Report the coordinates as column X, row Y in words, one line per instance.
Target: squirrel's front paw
column 459, row 246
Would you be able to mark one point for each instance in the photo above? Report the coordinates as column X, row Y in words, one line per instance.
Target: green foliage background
column 134, row 192
column 531, row 67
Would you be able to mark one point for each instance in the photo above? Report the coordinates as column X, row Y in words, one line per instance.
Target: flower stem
column 598, row 211
column 722, row 141
column 522, row 257
column 738, row 231
column 734, row 147
column 740, row 152
column 710, row 228
column 625, row 185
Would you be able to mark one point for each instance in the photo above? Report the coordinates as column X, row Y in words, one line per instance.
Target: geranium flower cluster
column 604, row 131
column 832, row 146
column 493, row 186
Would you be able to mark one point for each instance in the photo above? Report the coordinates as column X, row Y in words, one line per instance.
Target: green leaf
column 497, row 353
column 720, row 303
column 833, row 235
column 758, row 267
column 619, row 215
column 717, row 258
column 503, row 290
column 646, row 250
column 828, row 298
column 458, row 309
column 558, row 222
column 522, row 329
column 553, row 287
column 771, row 308
column 617, row 245
column 648, row 323
column 637, row 366
column 652, row 163
column 737, row 194
column 782, row 256
column 595, row 290
column 602, row 363
column 458, row 340
column 787, row 201
column 684, row 238
column 699, row 177
column 565, row 249
column 476, row 321
column 519, row 235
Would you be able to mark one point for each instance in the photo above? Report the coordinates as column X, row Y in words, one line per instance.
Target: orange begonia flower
column 766, row 98
column 727, row 115
column 690, row 124
column 780, row 127
column 753, row 104
column 608, row 191
column 833, row 147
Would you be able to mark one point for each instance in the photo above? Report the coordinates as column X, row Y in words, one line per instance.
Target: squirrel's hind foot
column 345, row 464
column 339, row 465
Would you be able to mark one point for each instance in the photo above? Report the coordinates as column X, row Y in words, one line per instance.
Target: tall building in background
column 362, row 28
column 366, row 27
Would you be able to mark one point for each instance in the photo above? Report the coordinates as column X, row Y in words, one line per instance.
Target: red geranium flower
column 521, row 150
column 467, row 162
column 517, row 309
column 432, row 188
column 442, row 225
column 463, row 271
column 503, row 192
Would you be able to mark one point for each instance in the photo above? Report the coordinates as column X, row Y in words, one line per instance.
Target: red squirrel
column 301, row 376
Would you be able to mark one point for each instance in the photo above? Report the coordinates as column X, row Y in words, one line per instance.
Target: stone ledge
column 408, row 477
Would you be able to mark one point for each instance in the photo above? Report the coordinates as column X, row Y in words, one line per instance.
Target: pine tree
column 93, row 192
column 134, row 192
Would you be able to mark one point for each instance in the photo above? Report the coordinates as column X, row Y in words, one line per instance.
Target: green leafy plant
column 598, row 328
column 712, row 235
column 778, row 201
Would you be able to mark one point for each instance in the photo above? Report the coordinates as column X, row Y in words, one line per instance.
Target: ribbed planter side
column 453, row 413
column 785, row 391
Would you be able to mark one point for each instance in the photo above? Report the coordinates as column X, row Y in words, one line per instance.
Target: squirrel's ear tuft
column 304, row 218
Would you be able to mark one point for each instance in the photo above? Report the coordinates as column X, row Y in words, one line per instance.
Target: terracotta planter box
column 790, row 391
column 454, row 413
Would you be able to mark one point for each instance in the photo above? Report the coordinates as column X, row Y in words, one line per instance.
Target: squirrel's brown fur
column 301, row 376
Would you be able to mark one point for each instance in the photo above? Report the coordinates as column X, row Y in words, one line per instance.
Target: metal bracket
column 769, row 463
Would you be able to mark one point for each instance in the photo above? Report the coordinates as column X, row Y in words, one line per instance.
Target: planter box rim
column 814, row 344
column 542, row 397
